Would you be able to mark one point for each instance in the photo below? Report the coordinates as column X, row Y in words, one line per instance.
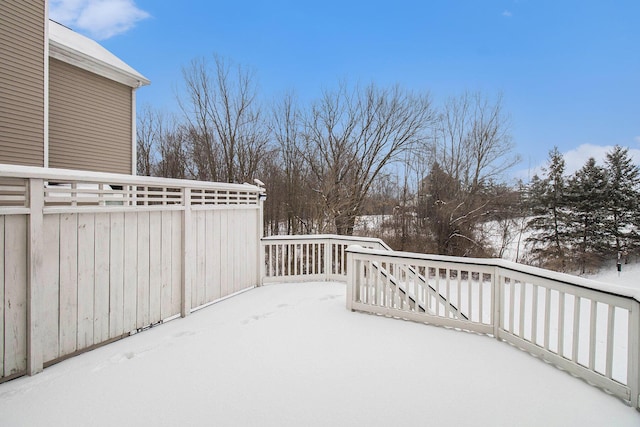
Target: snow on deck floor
column 292, row 355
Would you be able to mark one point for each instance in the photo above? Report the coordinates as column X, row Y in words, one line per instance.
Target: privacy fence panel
column 90, row 258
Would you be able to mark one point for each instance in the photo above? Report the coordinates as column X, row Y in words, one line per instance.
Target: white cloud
column 507, row 14
column 637, row 139
column 100, row 19
column 576, row 158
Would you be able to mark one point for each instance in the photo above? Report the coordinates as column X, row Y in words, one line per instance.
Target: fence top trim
column 507, row 265
column 53, row 174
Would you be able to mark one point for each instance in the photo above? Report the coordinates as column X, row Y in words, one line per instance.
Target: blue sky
column 569, row 71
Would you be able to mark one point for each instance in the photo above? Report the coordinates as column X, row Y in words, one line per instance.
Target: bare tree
column 146, row 140
column 472, row 149
column 175, row 161
column 350, row 136
column 293, row 194
column 226, row 130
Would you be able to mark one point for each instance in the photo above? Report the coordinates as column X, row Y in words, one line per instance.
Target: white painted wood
column 576, row 330
column 578, row 370
column 252, row 233
column 496, row 306
column 130, row 273
column 610, row 334
column 534, row 314
column 155, row 266
column 215, row 259
column 198, row 292
column 116, row 275
column 166, row 265
column 469, row 295
column 561, row 323
column 521, row 312
column 51, row 288
column 593, row 321
column 547, row 318
column 225, row 286
column 211, row 293
column 15, row 310
column 480, row 298
column 101, row 278
column 142, row 297
column 86, row 274
column 176, row 262
column 68, row 333
column 187, row 254
column 237, row 253
column 35, row 291
column 113, row 265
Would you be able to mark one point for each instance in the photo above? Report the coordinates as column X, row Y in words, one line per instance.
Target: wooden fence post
column 187, row 253
column 633, row 358
column 350, row 280
column 34, row 279
column 261, row 250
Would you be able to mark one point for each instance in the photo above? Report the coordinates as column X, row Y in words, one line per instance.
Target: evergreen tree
column 549, row 214
column 587, row 198
column 621, row 200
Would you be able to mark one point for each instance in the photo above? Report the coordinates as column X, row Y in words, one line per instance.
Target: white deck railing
column 589, row 329
column 310, row 257
column 91, row 257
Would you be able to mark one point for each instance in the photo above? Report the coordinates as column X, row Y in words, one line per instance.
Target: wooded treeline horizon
column 435, row 174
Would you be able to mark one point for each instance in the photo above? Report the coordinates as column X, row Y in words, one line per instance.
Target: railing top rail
column 354, row 239
column 508, row 265
column 54, row 174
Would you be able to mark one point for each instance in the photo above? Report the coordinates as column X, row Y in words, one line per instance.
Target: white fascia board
column 68, row 46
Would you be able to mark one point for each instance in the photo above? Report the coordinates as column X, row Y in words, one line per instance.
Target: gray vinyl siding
column 90, row 125
column 22, row 42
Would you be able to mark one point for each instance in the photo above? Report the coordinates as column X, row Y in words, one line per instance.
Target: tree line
column 581, row 220
column 353, row 150
column 389, row 162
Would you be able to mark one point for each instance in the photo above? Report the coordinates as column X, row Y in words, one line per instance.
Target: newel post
column 353, row 276
column 633, row 370
column 261, row 251
column 34, row 276
column 187, row 253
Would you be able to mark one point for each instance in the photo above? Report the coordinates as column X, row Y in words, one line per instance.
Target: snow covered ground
column 292, row 355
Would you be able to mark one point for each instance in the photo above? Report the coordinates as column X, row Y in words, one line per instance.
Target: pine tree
column 587, row 198
column 549, row 214
column 621, row 200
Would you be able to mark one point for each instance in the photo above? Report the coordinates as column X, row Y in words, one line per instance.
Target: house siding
column 22, row 52
column 90, row 121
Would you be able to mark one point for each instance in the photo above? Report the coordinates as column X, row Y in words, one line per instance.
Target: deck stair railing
column 587, row 328
column 323, row 257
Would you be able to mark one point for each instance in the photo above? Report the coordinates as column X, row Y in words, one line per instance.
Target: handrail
column 327, row 250
column 53, row 174
column 587, row 328
column 515, row 267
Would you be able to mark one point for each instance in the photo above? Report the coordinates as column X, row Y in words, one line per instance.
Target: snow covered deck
column 290, row 355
